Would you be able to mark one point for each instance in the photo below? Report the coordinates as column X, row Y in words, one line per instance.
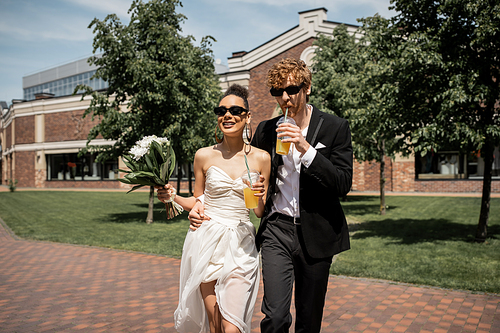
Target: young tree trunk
column 190, row 181
column 482, row 226
column 179, row 177
column 149, row 219
column 382, row 181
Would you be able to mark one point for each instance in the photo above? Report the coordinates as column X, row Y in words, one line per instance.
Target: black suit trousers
column 283, row 263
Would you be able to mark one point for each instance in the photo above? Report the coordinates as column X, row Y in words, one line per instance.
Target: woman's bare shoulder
column 205, row 156
column 205, row 152
column 261, row 155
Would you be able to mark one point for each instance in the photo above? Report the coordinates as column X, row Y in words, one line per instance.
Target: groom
column 304, row 224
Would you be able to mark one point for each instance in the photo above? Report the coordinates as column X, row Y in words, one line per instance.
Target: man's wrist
column 308, row 156
column 201, row 198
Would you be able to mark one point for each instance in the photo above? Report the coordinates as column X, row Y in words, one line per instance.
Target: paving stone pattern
column 51, row 287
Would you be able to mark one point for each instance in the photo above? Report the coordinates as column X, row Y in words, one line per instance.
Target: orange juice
column 251, row 201
column 282, row 148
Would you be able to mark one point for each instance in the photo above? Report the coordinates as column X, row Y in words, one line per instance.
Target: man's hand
column 295, row 134
column 197, row 216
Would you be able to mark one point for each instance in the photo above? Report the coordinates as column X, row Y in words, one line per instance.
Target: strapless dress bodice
column 224, row 200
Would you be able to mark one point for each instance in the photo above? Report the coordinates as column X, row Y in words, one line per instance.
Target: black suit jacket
column 324, row 226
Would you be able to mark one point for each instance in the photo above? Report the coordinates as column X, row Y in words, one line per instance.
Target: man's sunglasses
column 234, row 110
column 290, row 90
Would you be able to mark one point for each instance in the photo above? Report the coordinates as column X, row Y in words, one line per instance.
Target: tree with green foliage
column 352, row 79
column 160, row 83
column 448, row 78
column 431, row 79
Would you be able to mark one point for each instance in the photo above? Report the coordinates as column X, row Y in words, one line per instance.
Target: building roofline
column 311, row 23
column 313, row 10
column 269, row 41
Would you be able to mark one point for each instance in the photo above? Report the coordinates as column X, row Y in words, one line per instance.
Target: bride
column 219, row 274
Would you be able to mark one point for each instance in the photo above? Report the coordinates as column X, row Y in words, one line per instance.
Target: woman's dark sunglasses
column 290, row 90
column 234, row 110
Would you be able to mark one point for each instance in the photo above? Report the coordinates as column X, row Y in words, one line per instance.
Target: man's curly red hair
column 280, row 71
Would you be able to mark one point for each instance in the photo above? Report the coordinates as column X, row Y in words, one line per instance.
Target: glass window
column 72, row 167
column 110, row 170
column 454, row 165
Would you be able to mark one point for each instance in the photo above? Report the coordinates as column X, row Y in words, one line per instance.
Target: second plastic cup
column 283, row 148
column 251, row 201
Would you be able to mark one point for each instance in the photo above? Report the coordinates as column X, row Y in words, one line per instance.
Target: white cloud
column 38, row 22
column 380, row 6
column 69, row 30
column 118, row 7
column 63, row 20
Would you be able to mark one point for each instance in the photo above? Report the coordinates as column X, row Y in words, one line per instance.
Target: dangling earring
column 216, row 137
column 247, row 134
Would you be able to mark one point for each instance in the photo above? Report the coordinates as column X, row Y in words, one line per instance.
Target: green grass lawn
column 421, row 240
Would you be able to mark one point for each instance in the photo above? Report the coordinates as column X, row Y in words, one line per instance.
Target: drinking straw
column 248, row 171
column 286, row 114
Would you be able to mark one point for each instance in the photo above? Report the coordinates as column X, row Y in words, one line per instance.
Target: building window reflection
column 72, row 167
column 65, row 86
column 454, row 165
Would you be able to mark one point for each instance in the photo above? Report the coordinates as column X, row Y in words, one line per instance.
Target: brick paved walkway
column 50, row 287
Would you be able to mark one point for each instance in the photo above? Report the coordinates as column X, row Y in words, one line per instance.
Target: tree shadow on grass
column 357, row 198
column 156, row 205
column 159, row 216
column 412, row 231
column 363, row 209
column 362, row 205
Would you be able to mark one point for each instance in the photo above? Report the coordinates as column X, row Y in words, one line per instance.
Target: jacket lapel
column 314, row 126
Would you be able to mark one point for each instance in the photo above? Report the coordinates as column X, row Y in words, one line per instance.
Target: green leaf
column 128, row 160
column 171, row 163
column 149, row 162
column 142, row 181
column 135, row 188
column 126, row 181
column 164, row 171
column 143, row 174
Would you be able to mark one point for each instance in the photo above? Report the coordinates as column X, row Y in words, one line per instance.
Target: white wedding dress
column 222, row 249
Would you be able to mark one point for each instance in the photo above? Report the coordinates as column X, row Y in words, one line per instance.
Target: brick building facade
column 42, row 134
column 39, row 136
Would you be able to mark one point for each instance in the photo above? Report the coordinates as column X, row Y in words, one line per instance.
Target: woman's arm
column 264, row 161
column 165, row 193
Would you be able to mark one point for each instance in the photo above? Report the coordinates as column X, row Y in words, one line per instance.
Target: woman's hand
column 259, row 186
column 166, row 193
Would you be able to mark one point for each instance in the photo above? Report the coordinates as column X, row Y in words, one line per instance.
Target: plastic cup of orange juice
column 251, row 201
column 283, row 148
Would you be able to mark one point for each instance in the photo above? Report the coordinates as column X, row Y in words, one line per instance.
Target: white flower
column 142, row 146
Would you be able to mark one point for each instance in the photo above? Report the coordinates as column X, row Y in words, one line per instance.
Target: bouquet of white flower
column 151, row 162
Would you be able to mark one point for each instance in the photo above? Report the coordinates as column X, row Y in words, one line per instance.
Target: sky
column 36, row 35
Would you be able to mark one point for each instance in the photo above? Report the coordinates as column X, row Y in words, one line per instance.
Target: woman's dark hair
column 239, row 91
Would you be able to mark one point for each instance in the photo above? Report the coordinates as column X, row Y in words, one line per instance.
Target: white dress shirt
column 286, row 200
